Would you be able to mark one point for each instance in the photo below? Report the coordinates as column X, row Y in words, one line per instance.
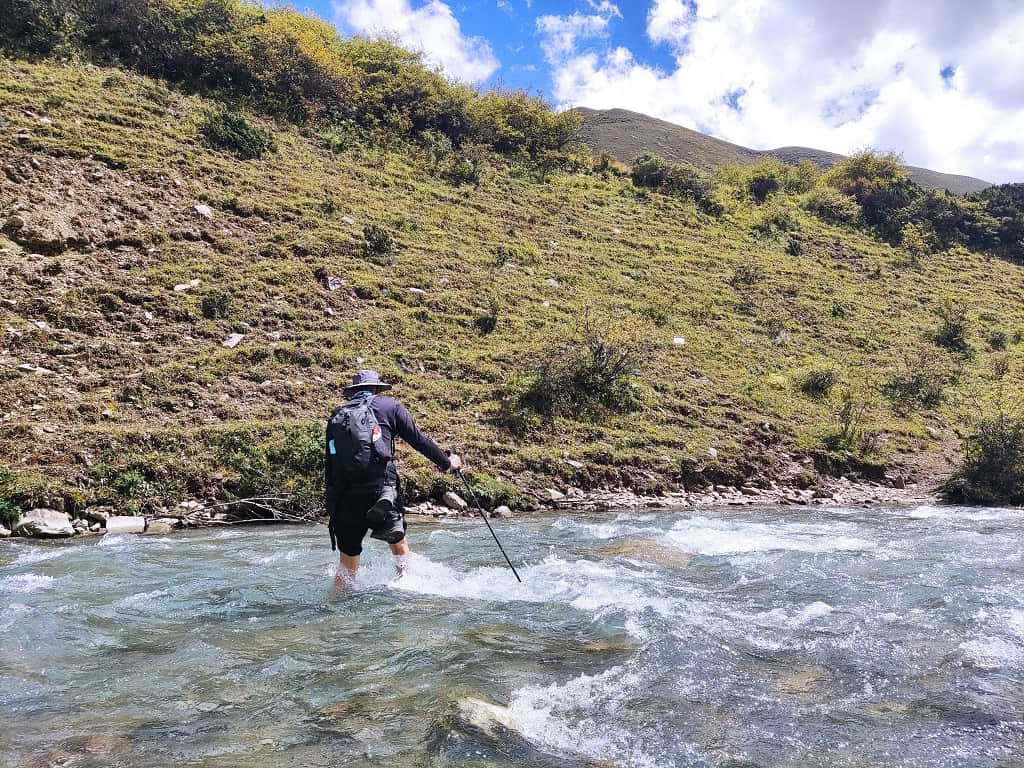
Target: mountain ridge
column 624, row 134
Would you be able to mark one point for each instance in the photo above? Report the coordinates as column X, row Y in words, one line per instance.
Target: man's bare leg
column 401, row 551
column 346, row 573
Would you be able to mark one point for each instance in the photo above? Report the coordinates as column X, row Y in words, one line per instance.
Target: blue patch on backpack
column 330, row 447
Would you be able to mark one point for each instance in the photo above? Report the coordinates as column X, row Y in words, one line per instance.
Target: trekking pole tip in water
column 483, row 514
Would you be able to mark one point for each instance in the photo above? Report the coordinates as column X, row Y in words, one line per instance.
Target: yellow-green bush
column 288, row 64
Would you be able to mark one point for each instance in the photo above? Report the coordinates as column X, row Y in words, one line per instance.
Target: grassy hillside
column 117, row 295
column 625, row 135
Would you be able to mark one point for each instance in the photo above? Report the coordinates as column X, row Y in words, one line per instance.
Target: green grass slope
column 116, row 296
column 625, row 135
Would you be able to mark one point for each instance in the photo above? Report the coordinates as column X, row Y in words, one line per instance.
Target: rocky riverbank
column 49, row 523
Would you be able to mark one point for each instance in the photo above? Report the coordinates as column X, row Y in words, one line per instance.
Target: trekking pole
column 489, row 528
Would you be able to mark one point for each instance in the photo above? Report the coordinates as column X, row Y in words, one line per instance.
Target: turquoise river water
column 753, row 637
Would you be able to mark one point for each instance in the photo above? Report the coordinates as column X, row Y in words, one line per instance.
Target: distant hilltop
column 624, row 135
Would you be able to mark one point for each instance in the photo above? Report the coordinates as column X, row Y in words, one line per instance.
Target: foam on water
column 577, row 717
column 281, row 556
column 582, row 584
column 141, row 599
column 793, row 619
column 1015, row 622
column 115, row 540
column 617, row 528
column 30, row 554
column 992, row 653
column 713, row 536
column 26, row 582
column 932, row 512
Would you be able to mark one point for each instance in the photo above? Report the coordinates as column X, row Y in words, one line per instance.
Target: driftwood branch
column 271, row 508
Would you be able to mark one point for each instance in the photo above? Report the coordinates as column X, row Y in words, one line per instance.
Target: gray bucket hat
column 367, row 379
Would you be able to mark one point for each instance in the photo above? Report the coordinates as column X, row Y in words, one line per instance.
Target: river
column 752, row 637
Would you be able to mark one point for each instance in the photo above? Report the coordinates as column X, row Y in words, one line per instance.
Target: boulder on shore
column 4, row 533
column 96, row 514
column 44, row 524
column 126, row 524
column 452, row 500
column 161, row 525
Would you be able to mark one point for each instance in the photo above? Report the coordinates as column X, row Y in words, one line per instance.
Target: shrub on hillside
column 488, row 321
column 378, row 244
column 765, row 179
column 954, row 325
column 229, row 130
column 20, row 492
column 516, row 123
column 881, row 185
column 775, row 217
column 817, row 381
column 589, row 376
column 998, row 339
column 1005, row 205
column 803, row 177
column 288, row 64
column 954, row 220
column 992, row 471
column 829, row 204
column 678, row 179
column 919, row 379
column 215, row 305
column 849, row 433
column 37, row 27
column 746, row 275
column 287, row 464
column 467, row 166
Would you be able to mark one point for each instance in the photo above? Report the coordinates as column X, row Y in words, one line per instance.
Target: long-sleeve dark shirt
column 395, row 421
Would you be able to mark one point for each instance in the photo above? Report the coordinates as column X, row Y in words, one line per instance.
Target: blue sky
column 938, row 82
column 510, row 27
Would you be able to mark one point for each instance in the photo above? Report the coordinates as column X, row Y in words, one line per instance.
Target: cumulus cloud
column 939, row 83
column 560, row 34
column 430, row 27
column 667, row 21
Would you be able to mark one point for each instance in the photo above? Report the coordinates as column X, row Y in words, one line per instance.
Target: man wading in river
column 363, row 490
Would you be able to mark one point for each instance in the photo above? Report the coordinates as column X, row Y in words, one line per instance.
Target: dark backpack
column 352, row 434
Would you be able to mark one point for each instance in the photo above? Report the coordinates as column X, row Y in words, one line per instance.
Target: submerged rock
column 802, row 679
column 489, row 720
column 44, row 524
column 647, row 550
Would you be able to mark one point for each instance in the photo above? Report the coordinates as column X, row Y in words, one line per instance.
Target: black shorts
column 348, row 519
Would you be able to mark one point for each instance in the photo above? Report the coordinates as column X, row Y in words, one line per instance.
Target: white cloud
column 828, row 74
column 605, row 8
column 667, row 21
column 559, row 34
column 430, row 27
